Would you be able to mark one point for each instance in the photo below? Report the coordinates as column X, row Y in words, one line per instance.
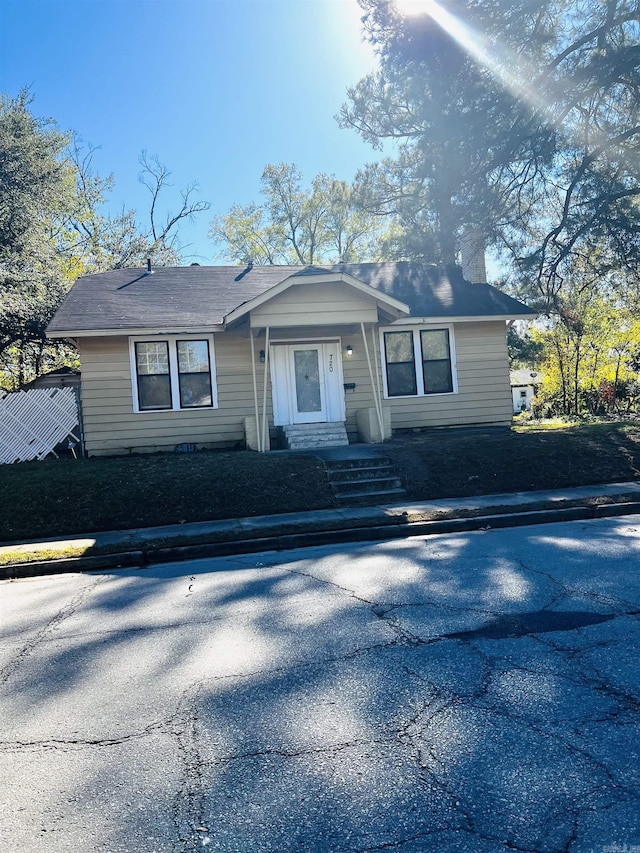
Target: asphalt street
column 473, row 692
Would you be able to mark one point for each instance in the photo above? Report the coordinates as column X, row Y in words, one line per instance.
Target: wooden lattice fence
column 33, row 422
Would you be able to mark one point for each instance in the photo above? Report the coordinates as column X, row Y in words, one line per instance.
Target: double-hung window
column 399, row 349
column 194, row 374
column 418, row 362
column 173, row 373
column 437, row 375
column 153, row 374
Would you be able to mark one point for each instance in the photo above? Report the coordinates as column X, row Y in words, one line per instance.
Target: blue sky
column 216, row 88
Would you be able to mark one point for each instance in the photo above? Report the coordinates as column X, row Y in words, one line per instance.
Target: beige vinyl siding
column 111, row 425
column 324, row 304
column 356, row 370
column 484, row 395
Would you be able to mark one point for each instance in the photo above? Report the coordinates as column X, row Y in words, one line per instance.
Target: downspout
column 373, row 383
column 264, row 394
column 255, row 392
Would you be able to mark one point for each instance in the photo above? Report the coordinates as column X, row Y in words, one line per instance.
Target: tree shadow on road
column 338, row 699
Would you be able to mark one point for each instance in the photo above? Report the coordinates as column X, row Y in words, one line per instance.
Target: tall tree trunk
column 575, row 376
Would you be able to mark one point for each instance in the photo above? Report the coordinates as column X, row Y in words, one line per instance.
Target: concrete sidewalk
column 148, row 545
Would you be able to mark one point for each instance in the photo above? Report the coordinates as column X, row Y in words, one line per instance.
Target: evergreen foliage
column 522, row 117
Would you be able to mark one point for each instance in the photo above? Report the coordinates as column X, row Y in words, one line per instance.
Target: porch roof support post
column 377, row 375
column 264, row 390
column 255, row 391
column 374, row 384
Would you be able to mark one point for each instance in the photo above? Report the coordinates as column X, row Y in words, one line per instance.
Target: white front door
column 307, row 382
column 308, row 391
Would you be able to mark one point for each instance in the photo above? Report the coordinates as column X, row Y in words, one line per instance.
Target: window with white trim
column 174, row 372
column 418, row 362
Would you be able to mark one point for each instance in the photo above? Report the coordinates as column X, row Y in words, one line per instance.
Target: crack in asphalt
column 328, row 749
column 508, row 626
column 379, row 609
column 68, row 744
column 189, row 802
column 310, row 576
column 437, row 771
column 572, row 592
column 64, row 613
column 415, row 735
column 506, row 843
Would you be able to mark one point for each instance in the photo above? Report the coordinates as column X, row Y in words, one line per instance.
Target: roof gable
column 318, row 275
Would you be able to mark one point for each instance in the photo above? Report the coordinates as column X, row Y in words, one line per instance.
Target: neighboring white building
column 523, row 384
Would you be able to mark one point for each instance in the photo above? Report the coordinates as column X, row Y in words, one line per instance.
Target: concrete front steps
column 356, row 476
column 364, row 481
column 315, row 436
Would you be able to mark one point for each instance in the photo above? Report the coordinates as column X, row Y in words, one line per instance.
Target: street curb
column 143, row 558
column 124, row 560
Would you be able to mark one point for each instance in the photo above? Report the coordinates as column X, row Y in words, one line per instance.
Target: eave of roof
column 463, row 318
column 135, row 330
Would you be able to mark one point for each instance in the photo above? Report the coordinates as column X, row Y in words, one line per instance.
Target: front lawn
column 57, row 497
column 469, row 462
column 62, row 497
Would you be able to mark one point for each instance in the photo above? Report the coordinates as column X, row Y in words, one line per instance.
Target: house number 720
column 331, row 364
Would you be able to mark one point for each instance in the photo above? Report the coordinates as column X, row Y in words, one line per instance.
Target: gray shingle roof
column 433, row 291
column 201, row 296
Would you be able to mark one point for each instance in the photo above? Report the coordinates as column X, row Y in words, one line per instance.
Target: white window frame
column 172, row 341
column 417, row 362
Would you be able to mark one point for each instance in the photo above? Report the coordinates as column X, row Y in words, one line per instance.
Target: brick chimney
column 472, row 255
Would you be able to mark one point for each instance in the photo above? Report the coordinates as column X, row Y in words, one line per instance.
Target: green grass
column 67, row 497
column 521, row 425
column 14, row 558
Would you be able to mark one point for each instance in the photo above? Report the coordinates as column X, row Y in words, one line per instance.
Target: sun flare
column 496, row 58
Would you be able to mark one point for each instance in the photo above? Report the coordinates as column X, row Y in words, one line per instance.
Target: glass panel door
column 308, row 397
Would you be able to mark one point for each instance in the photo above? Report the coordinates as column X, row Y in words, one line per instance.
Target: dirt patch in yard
column 469, row 462
column 61, row 497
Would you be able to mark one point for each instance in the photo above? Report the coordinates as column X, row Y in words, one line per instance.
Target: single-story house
column 214, row 356
column 523, row 388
